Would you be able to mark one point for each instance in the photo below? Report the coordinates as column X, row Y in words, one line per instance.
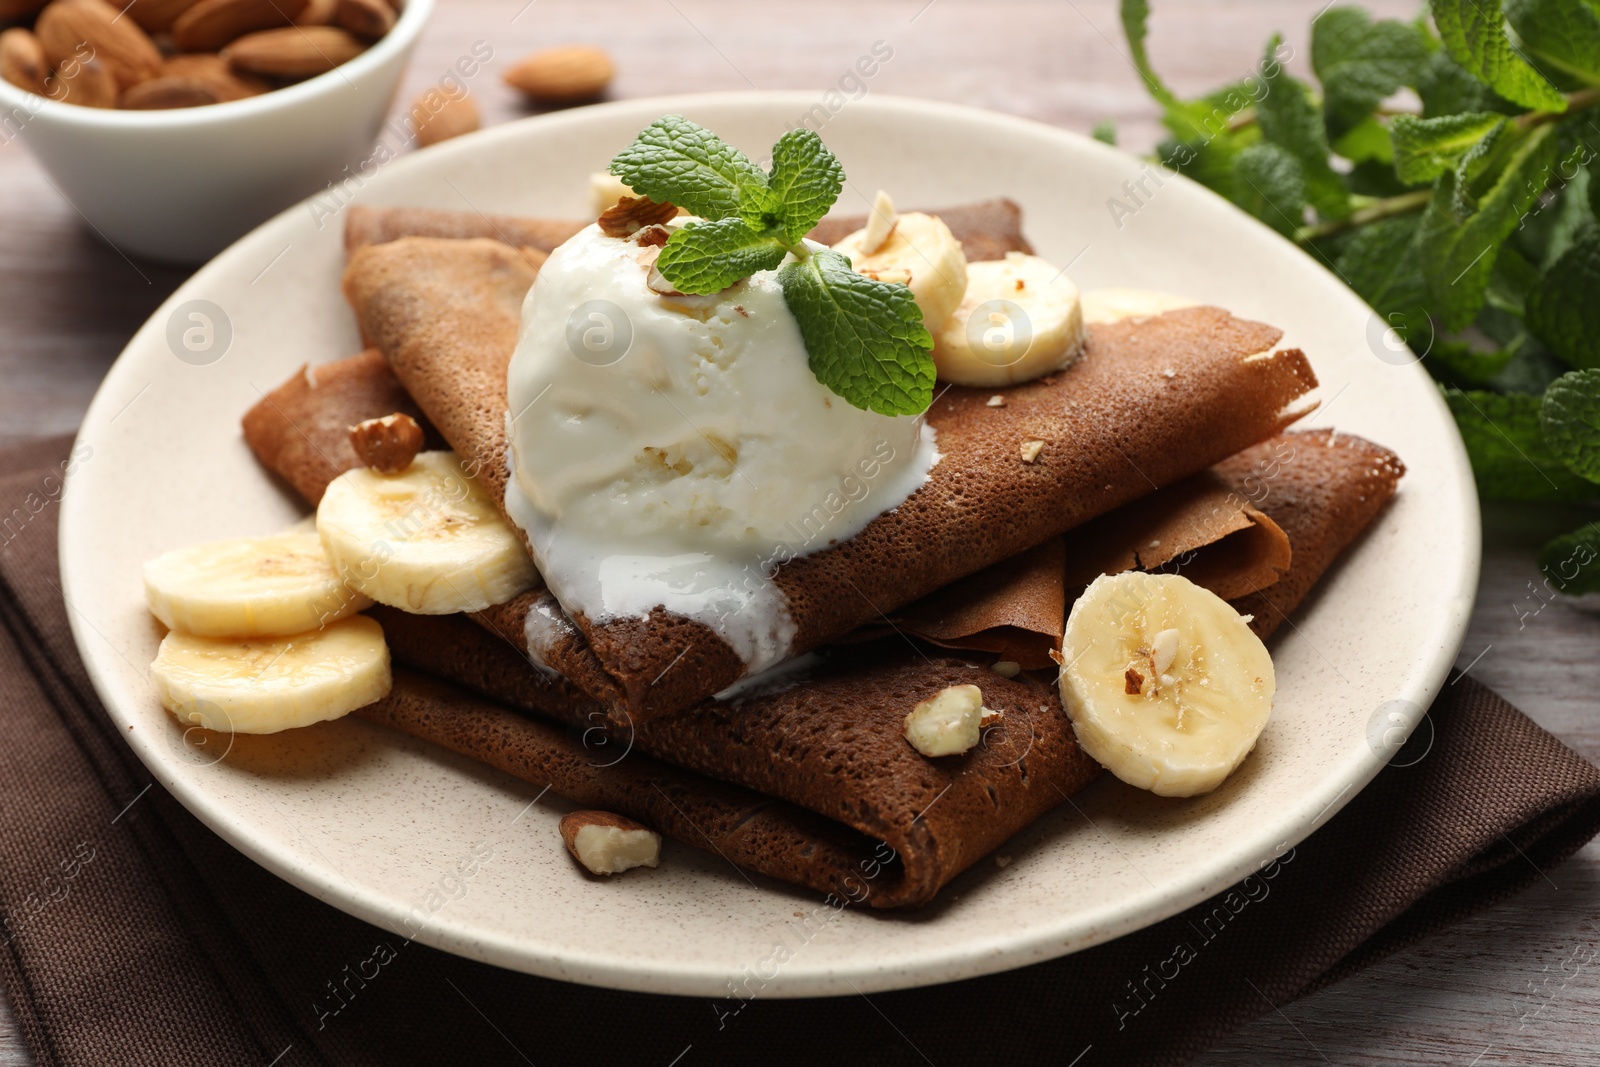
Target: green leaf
column 677, row 161
column 707, row 257
column 1564, row 309
column 1571, row 563
column 1426, row 148
column 1135, row 26
column 866, row 339
column 1510, row 460
column 1360, row 62
column 1474, row 33
column 805, row 181
column 1271, row 186
column 1530, row 371
column 1105, row 131
column 1289, row 119
column 1458, row 363
column 1366, row 141
column 1570, row 418
column 1550, row 229
column 1447, row 88
column 1458, row 252
column 1564, row 34
column 1380, row 264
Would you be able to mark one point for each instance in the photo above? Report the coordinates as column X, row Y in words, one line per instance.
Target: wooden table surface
column 1504, row 987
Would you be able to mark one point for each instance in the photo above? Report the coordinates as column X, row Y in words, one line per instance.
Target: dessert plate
column 440, row 849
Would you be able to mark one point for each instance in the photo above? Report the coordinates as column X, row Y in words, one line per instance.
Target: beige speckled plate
column 463, row 858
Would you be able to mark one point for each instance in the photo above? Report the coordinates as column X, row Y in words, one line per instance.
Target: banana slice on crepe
column 1020, row 319
column 427, row 540
column 249, row 586
column 914, row 249
column 1165, row 684
column 261, row 685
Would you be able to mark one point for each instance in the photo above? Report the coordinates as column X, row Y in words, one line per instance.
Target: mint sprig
column 1472, row 226
column 865, row 339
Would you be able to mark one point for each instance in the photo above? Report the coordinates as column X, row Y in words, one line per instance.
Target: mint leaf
column 1510, row 460
column 1474, row 33
column 677, row 161
column 707, row 257
column 1564, row 34
column 1365, row 142
column 1359, row 62
column 1271, row 186
column 1552, row 228
column 866, row 339
column 1447, row 88
column 806, row 179
column 1572, row 562
column 1564, row 309
column 1570, row 418
column 1289, row 119
column 1105, row 131
column 1135, row 26
column 1380, row 264
column 1426, row 148
column 1461, row 364
column 1458, row 244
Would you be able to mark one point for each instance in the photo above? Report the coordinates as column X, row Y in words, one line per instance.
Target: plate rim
column 617, row 971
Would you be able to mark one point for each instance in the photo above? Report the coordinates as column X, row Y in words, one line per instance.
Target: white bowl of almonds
column 175, row 126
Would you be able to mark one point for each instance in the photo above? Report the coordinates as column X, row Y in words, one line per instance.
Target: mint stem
column 1388, row 207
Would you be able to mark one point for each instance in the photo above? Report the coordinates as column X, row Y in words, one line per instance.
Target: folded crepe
column 1147, row 405
column 846, row 806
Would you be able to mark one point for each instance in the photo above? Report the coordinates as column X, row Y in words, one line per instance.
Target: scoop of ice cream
column 666, row 447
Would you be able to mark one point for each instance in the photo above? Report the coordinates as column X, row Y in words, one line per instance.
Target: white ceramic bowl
column 181, row 185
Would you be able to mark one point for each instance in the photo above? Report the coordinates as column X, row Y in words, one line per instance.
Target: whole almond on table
column 564, row 75
column 438, row 117
column 87, row 84
column 210, row 24
column 157, row 16
column 295, row 52
column 160, row 94
column 365, row 18
column 213, row 71
column 22, row 61
column 318, row 13
column 76, row 29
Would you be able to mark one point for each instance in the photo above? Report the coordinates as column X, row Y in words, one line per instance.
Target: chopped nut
column 631, row 213
column 891, row 275
column 606, row 843
column 1006, row 668
column 652, row 236
column 996, row 401
column 657, row 282
column 387, row 445
column 946, row 724
column 1002, row 861
column 1030, row 450
column 1132, row 682
column 989, row 716
column 880, row 224
column 1163, row 650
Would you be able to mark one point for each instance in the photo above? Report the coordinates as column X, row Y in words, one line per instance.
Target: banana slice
column 263, row 685
column 1020, row 319
column 427, row 540
column 1111, row 305
column 249, row 587
column 1165, row 684
column 919, row 251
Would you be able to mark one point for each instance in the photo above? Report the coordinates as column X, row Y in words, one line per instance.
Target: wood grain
column 1499, row 988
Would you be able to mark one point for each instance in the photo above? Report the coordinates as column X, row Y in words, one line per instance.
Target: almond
column 157, row 16
column 159, row 94
column 633, row 213
column 295, row 52
column 213, row 71
column 438, row 116
column 318, row 13
column 210, row 24
column 607, row 843
column 17, row 10
column 562, row 75
column 365, row 18
column 387, row 445
column 79, row 29
column 22, row 61
column 87, row 83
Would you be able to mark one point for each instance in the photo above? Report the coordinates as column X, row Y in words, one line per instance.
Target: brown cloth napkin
column 133, row 935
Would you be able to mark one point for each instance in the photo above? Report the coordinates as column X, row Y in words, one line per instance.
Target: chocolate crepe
column 366, row 225
column 1145, row 406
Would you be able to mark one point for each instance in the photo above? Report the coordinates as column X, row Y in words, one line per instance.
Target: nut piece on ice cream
column 948, row 723
column 606, row 843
